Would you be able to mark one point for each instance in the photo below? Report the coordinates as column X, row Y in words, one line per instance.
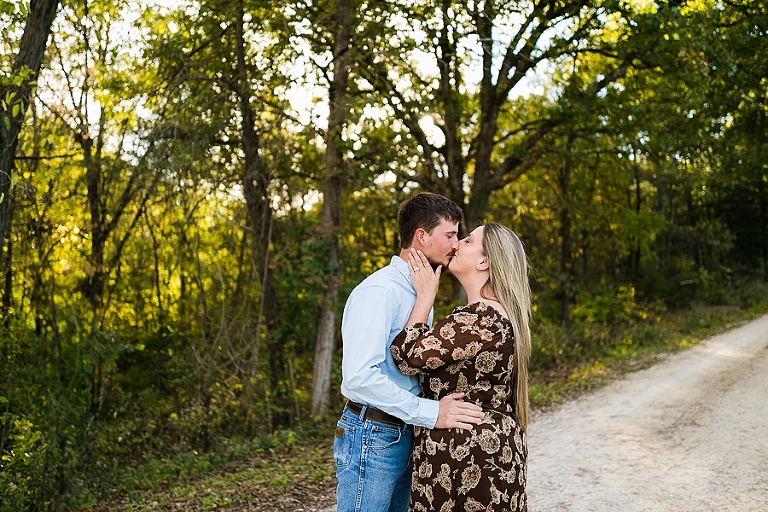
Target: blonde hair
column 508, row 283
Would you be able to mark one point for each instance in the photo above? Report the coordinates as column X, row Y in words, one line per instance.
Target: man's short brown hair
column 424, row 210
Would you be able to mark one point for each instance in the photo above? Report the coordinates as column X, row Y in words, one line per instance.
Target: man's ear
column 484, row 264
column 420, row 236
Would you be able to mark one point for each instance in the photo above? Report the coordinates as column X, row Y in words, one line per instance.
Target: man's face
column 440, row 245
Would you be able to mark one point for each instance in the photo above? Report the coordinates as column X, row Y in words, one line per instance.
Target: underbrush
column 250, row 472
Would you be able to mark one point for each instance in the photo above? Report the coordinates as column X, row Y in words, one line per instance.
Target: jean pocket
column 383, row 437
column 343, row 444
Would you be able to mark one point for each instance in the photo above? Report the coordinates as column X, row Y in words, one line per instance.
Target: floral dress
column 471, row 350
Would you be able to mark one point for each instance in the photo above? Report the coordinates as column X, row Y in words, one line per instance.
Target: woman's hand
column 425, row 280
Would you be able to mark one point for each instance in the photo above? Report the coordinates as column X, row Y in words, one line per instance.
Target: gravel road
column 688, row 434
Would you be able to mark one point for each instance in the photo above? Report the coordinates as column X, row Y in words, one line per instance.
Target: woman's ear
column 483, row 265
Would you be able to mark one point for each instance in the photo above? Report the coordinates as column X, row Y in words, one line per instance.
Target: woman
column 481, row 349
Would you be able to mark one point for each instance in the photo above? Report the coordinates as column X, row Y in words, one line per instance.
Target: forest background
column 189, row 191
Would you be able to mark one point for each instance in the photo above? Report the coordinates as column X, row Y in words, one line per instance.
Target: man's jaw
column 447, row 264
column 434, row 264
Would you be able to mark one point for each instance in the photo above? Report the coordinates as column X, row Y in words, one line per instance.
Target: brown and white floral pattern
column 472, row 350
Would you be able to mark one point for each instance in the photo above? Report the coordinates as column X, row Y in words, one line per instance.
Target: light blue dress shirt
column 375, row 312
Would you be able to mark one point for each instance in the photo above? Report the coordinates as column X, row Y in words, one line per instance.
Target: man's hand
column 454, row 413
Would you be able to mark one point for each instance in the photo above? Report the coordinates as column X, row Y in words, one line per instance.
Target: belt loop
column 363, row 410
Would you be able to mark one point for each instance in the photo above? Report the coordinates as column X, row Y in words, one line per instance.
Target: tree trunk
column 256, row 177
column 635, row 269
column 7, row 259
column 93, row 178
column 326, row 328
column 764, row 227
column 27, row 66
column 566, row 257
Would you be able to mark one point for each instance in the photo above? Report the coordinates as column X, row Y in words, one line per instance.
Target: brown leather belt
column 374, row 414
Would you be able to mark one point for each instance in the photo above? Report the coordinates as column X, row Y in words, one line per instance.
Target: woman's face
column 469, row 255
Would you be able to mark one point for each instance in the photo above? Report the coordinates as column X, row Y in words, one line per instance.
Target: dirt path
column 689, row 434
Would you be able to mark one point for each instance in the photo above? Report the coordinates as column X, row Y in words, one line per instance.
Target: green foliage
column 48, row 419
column 22, row 459
column 617, row 307
column 600, row 324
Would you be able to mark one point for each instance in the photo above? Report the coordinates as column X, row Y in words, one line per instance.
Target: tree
column 15, row 94
column 330, row 223
column 223, row 69
column 484, row 55
column 736, row 53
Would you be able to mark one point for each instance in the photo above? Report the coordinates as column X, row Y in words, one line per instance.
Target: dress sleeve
column 457, row 337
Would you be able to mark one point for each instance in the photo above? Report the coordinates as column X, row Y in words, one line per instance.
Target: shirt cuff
column 428, row 411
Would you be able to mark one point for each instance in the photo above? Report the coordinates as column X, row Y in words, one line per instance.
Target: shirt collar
column 401, row 266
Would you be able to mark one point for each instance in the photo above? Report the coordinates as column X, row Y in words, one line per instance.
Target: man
column 374, row 436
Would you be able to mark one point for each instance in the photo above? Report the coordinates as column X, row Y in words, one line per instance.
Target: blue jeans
column 373, row 465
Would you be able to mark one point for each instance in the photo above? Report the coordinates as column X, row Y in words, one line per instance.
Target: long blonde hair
column 508, row 283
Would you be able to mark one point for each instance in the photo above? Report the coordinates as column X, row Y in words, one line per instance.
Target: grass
column 274, row 479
